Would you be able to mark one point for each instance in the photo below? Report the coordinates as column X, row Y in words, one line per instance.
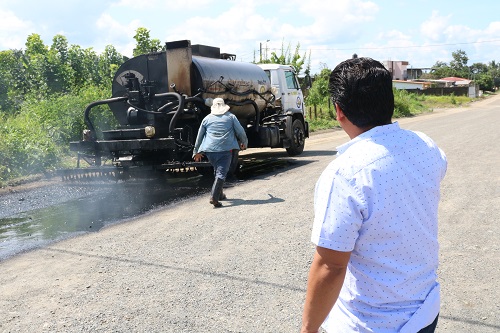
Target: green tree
column 459, row 64
column 90, row 62
column 35, row 64
column 494, row 69
column 35, row 46
column 144, row 42
column 58, row 71
column 12, row 80
column 43, row 92
column 485, row 81
column 318, row 93
column 109, row 61
column 478, row 68
column 307, row 71
column 76, row 62
column 287, row 58
column 440, row 70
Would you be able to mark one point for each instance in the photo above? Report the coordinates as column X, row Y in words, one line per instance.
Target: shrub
column 37, row 138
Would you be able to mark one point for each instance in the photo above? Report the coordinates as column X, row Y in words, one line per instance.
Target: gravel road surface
column 242, row 268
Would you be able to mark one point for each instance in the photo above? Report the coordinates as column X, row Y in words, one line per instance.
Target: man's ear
column 340, row 113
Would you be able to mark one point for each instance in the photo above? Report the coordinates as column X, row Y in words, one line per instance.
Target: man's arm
column 326, row 277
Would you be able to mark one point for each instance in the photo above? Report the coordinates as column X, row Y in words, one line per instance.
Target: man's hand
column 198, row 157
column 242, row 146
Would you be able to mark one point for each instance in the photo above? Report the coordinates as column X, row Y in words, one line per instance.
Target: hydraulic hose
column 87, row 120
column 180, row 109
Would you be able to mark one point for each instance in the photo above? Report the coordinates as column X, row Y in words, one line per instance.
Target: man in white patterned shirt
column 375, row 225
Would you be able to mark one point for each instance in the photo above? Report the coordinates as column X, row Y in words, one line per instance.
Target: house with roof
column 457, row 81
column 402, row 78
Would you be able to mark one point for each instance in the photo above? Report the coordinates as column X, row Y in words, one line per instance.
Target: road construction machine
column 159, row 100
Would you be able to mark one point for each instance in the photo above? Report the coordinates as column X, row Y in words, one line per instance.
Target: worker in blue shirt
column 220, row 132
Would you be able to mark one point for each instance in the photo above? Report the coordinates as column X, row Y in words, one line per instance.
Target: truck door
column 292, row 95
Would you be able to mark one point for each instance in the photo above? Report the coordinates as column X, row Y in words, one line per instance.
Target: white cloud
column 249, row 23
column 339, row 21
column 119, row 35
column 493, row 30
column 163, row 5
column 433, row 29
column 236, row 30
column 13, row 30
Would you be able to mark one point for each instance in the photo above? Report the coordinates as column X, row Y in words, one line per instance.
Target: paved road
column 469, row 216
column 242, row 268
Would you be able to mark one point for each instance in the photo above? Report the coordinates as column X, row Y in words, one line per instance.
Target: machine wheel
column 298, row 139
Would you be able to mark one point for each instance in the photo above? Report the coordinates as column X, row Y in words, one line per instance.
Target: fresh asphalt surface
column 188, row 267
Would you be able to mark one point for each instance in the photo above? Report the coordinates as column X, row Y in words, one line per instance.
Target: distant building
column 457, row 81
column 408, row 79
column 398, row 69
column 410, row 85
column 415, row 73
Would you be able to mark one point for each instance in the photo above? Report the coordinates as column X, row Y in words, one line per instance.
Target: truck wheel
column 298, row 139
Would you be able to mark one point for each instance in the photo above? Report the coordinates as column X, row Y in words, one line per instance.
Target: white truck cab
column 284, row 79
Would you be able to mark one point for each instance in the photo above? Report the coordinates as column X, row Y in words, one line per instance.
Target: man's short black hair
column 362, row 88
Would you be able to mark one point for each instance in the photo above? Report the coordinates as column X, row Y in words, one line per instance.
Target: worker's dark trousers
column 217, row 190
column 431, row 328
column 220, row 162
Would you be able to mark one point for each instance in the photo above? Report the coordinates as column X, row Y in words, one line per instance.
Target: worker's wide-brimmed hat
column 219, row 107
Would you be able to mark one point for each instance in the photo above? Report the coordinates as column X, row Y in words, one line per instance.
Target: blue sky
column 420, row 32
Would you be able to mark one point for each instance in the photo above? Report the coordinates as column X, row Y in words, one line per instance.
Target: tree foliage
column 287, row 58
column 43, row 93
column 459, row 64
column 318, row 93
column 144, row 42
column 486, row 76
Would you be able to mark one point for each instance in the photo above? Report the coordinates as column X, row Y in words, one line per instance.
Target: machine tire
column 298, row 139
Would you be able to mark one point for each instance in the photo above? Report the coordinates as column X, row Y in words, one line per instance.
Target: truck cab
column 289, row 97
column 284, row 80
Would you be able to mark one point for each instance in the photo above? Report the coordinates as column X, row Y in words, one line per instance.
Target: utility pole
column 261, row 50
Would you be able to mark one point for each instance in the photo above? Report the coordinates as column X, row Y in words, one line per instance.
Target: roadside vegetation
column 44, row 91
column 405, row 105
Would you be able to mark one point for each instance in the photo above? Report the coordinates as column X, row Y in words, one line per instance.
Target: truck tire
column 298, row 139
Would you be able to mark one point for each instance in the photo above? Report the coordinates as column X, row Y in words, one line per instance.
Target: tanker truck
column 159, row 100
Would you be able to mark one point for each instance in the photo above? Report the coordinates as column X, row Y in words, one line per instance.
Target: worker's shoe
column 215, row 203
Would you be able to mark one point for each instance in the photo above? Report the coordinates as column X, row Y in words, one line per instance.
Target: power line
column 400, row 47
